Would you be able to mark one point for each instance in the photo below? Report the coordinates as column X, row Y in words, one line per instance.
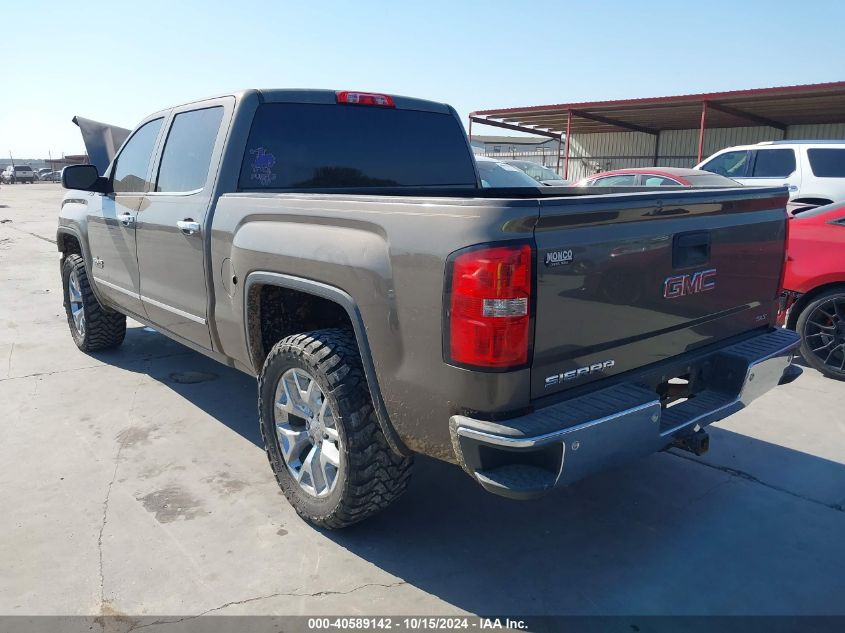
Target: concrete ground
column 133, row 482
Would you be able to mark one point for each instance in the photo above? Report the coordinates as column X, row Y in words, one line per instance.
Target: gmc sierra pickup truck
column 339, row 246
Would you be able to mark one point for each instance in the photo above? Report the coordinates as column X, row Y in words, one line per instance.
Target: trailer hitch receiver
column 697, row 442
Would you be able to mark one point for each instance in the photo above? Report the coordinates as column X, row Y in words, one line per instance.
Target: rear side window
column 133, row 163
column 730, row 164
column 774, row 163
column 187, row 151
column 827, row 162
column 659, row 181
column 710, row 180
column 620, row 180
column 308, row 146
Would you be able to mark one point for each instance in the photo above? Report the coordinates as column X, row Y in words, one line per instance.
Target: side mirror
column 83, row 177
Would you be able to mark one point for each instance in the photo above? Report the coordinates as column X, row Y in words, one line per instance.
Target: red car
column 814, row 280
column 656, row 177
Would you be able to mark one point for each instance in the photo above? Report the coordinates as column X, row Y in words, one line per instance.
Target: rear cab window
column 325, row 146
column 827, row 162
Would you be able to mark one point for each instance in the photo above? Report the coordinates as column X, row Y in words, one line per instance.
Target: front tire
column 93, row 327
column 821, row 325
column 321, row 434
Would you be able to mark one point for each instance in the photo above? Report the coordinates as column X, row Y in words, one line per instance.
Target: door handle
column 691, row 249
column 188, row 226
column 127, row 219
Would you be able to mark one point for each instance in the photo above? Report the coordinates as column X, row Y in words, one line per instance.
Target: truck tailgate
column 627, row 280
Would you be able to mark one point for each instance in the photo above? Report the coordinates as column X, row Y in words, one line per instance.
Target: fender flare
column 344, row 300
column 86, row 256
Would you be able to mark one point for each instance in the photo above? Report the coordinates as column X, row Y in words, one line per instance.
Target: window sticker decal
column 262, row 166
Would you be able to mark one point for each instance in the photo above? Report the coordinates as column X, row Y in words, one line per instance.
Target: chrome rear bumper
column 557, row 445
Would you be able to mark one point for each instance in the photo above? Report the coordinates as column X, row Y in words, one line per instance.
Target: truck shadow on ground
column 751, row 528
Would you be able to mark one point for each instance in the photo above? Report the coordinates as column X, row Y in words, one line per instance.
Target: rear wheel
column 321, row 434
column 92, row 326
column 821, row 325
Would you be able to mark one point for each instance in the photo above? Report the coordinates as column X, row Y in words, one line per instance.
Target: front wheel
column 92, row 326
column 821, row 325
column 321, row 434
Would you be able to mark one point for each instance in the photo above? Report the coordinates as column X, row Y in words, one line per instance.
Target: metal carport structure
column 776, row 108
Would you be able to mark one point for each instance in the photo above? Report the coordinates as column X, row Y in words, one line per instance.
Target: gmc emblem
column 690, row 284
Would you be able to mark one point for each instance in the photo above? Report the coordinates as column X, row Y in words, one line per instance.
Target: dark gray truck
column 340, row 247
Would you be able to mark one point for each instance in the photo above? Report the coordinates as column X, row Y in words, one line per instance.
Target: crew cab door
column 112, row 220
column 172, row 221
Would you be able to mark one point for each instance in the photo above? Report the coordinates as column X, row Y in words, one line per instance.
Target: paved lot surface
column 132, row 482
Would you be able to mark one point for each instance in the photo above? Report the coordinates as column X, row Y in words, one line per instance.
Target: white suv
column 18, row 173
column 814, row 171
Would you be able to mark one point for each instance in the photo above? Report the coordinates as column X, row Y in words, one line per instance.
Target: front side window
column 187, row 151
column 774, row 163
column 619, row 180
column 133, row 164
column 827, row 162
column 730, row 164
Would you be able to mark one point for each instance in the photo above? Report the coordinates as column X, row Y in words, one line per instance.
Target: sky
column 119, row 61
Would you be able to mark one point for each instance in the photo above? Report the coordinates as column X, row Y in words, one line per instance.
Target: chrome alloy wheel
column 307, row 433
column 77, row 310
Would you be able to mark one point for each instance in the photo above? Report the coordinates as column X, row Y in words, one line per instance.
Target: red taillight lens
column 365, row 98
column 489, row 307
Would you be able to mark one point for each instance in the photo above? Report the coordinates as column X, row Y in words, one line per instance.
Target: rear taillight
column 488, row 305
column 365, row 98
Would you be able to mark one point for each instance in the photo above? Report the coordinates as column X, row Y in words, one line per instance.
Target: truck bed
column 388, row 250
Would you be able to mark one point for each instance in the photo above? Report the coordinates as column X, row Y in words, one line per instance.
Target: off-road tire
column 801, row 326
column 104, row 328
column 372, row 475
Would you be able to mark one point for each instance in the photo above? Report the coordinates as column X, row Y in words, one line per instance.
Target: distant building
column 673, row 131
column 512, row 145
column 55, row 163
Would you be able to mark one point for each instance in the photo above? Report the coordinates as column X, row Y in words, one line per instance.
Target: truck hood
column 101, row 141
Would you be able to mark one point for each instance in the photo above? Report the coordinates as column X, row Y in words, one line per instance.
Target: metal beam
column 608, row 121
column 754, row 118
column 517, row 128
column 557, row 166
column 701, row 130
column 568, row 134
column 656, row 148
